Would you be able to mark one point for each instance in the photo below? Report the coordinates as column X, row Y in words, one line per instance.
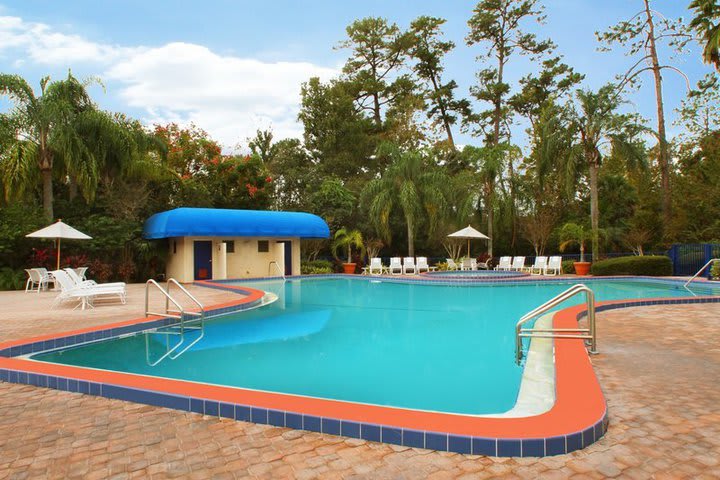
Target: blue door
column 288, row 258
column 203, row 260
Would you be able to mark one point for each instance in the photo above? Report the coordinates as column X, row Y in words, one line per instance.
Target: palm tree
column 348, row 239
column 412, row 183
column 488, row 164
column 43, row 133
column 707, row 24
column 574, row 234
column 600, row 130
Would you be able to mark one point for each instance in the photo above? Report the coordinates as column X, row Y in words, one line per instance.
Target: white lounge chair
column 395, row 267
column 538, row 268
column 468, row 264
column 554, row 265
column 376, row 266
column 86, row 294
column 422, row 265
column 505, row 263
column 78, row 281
column 451, row 265
column 518, row 264
column 409, row 266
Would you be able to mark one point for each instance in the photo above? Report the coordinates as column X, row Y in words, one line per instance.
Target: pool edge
column 593, row 425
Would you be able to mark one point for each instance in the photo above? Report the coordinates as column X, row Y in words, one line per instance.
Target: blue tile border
column 533, row 447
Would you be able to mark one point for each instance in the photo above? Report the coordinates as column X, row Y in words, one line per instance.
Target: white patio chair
column 554, row 265
column 451, row 265
column 468, row 264
column 395, row 267
column 34, row 280
column 518, row 264
column 81, row 271
column 538, row 268
column 376, row 266
column 505, row 264
column 409, row 266
column 422, row 265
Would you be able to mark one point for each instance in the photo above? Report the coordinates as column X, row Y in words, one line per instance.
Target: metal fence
column 690, row 257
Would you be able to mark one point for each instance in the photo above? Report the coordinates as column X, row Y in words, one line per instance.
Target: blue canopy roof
column 217, row 222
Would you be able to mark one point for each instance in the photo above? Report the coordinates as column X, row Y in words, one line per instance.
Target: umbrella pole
column 468, row 248
column 58, row 254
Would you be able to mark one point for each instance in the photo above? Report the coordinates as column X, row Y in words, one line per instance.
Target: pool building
column 215, row 244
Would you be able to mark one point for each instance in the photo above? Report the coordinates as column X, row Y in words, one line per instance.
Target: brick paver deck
column 659, row 368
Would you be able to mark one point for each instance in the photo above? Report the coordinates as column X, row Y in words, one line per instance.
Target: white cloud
column 228, row 96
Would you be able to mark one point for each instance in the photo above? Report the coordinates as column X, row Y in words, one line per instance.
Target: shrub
column 653, row 265
column 568, row 266
column 442, row 266
column 316, row 267
column 715, row 270
column 100, row 271
column 12, row 279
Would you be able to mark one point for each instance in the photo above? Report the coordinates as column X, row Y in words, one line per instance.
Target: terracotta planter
column 582, row 268
column 348, row 267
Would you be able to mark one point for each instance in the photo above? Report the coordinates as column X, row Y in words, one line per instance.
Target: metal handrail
column 701, row 270
column 172, row 281
column 277, row 265
column 168, row 298
column 578, row 333
column 178, row 313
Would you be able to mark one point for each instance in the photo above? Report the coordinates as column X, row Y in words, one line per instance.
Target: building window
column 229, row 246
column 263, row 246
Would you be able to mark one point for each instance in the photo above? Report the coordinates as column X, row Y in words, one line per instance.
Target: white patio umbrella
column 469, row 233
column 58, row 231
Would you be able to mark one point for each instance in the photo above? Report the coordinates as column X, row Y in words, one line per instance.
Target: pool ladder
column 187, row 322
column 587, row 334
column 277, row 267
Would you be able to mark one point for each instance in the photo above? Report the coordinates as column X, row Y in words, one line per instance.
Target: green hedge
column 653, row 265
column 316, row 267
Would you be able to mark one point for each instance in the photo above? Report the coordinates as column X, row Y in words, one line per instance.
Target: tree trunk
column 411, row 240
column 72, row 189
column 443, row 113
column 663, row 154
column 45, row 165
column 490, row 218
column 376, row 111
column 47, row 194
column 594, row 210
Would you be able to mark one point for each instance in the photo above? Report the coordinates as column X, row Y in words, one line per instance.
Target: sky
column 234, row 66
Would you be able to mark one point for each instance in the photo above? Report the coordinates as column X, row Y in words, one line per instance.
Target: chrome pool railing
column 581, row 333
column 713, row 260
column 187, row 322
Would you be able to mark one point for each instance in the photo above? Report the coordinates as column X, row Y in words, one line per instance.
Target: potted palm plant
column 347, row 239
column 574, row 234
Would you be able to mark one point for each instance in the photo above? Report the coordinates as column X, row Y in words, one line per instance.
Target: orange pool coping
column 579, row 411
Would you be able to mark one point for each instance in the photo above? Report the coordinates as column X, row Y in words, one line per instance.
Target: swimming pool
column 434, row 347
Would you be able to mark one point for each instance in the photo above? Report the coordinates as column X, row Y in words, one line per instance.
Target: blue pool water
column 433, row 347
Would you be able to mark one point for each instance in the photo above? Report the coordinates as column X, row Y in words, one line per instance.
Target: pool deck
column 658, row 368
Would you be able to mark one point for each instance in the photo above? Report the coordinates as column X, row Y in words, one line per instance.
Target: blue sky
column 234, row 66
